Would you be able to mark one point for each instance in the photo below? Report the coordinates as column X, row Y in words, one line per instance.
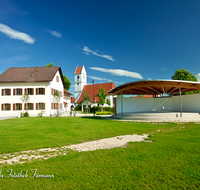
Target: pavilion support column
column 121, row 104
column 180, row 101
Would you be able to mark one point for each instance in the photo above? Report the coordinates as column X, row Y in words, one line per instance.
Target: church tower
column 80, row 80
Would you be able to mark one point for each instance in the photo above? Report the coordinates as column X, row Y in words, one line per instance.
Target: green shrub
column 104, row 113
column 78, row 108
column 95, row 109
column 109, row 109
column 26, row 114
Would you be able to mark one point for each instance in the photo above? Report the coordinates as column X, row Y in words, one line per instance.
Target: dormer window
column 77, row 77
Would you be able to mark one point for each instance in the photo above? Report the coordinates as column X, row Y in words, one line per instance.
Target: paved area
column 8, row 117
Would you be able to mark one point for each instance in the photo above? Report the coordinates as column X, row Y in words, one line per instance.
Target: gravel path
column 31, row 155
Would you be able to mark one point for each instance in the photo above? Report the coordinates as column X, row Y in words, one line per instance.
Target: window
column 17, row 106
column 6, row 92
column 17, row 91
column 40, row 106
column 77, row 83
column 57, row 78
column 30, row 91
column 29, row 106
column 77, row 77
column 5, row 107
column 40, row 91
column 54, row 105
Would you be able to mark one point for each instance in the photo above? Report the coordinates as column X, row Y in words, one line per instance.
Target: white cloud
column 164, row 69
column 118, row 82
column 99, row 78
column 54, row 33
column 14, row 34
column 87, row 51
column 118, row 72
column 198, row 76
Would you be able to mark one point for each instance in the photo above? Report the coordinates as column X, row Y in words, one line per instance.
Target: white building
column 40, row 83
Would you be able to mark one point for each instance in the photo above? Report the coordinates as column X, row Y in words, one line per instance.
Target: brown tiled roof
column 66, row 92
column 89, row 90
column 30, row 74
column 72, row 99
column 78, row 70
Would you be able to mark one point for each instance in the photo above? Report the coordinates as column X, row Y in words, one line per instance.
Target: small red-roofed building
column 81, row 87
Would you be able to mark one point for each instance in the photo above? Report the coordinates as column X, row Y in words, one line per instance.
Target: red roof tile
column 66, row 92
column 72, row 99
column 89, row 90
column 78, row 70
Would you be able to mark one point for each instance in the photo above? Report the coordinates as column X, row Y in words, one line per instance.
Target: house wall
column 190, row 103
column 47, row 98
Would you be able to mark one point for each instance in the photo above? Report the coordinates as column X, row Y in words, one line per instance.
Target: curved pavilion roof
column 155, row 87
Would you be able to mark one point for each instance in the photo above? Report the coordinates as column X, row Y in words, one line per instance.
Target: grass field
column 170, row 161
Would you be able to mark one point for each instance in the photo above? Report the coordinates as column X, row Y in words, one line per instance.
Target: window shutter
column 2, row 107
column 43, row 106
column 52, row 91
column 9, row 107
column 14, row 106
column 60, row 106
column 51, row 105
column 14, row 91
column 37, row 106
column 44, row 91
column 21, row 91
column 37, row 91
column 2, row 92
column 32, row 106
column 20, row 106
column 25, row 106
column 9, row 91
column 32, row 91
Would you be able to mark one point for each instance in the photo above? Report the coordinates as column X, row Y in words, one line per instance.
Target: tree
column 86, row 98
column 50, row 65
column 182, row 74
column 108, row 101
column 25, row 98
column 66, row 80
column 102, row 96
column 56, row 99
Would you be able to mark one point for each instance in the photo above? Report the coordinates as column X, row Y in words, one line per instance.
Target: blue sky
column 119, row 41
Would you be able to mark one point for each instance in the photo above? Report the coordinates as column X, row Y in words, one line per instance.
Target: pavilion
column 166, row 103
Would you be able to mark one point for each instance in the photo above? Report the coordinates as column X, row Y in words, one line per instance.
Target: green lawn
column 170, row 161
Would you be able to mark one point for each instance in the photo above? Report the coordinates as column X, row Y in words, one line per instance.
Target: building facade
column 39, row 82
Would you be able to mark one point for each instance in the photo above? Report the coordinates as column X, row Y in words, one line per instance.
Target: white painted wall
column 190, row 103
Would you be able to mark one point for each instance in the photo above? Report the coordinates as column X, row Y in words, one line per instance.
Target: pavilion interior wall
column 190, row 103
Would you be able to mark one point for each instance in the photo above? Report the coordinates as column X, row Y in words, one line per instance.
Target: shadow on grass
column 97, row 117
